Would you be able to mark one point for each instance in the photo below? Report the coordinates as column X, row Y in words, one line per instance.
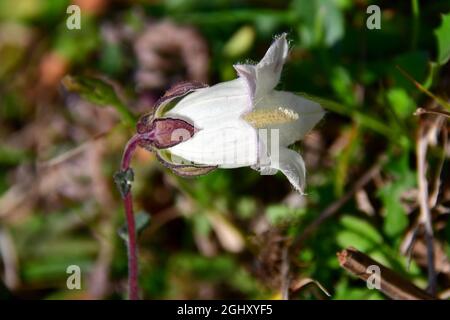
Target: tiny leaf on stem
column 123, row 181
column 142, row 220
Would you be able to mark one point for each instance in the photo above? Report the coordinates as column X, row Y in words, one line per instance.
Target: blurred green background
column 221, row 235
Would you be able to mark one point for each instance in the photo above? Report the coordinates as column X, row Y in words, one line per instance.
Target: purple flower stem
column 133, row 285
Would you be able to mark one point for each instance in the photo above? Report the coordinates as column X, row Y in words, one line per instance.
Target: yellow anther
column 262, row 118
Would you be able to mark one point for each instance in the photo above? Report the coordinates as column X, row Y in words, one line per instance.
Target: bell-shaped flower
column 242, row 122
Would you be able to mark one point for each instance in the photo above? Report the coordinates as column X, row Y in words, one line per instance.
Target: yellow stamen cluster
column 265, row 117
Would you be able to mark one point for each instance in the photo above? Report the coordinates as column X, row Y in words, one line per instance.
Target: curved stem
column 133, row 285
column 129, row 150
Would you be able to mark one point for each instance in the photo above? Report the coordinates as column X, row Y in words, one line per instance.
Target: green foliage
column 67, row 211
column 404, row 179
column 443, row 39
column 12, row 156
column 322, row 22
column 401, row 102
column 142, row 220
column 240, row 43
column 98, row 92
column 283, row 215
column 359, row 234
column 416, row 64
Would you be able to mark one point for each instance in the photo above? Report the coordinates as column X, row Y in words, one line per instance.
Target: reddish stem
column 133, row 285
column 129, row 150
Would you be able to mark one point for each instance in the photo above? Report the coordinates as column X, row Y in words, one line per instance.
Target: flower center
column 262, row 118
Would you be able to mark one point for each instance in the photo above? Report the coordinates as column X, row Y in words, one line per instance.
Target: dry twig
column 420, row 111
column 425, row 213
column 391, row 284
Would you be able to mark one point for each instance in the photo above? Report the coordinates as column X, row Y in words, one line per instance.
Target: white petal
column 266, row 170
column 231, row 144
column 247, row 73
column 223, row 138
column 213, row 106
column 291, row 164
column 269, row 68
column 309, row 113
column 263, row 77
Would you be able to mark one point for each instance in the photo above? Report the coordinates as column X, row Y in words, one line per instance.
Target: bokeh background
column 231, row 233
